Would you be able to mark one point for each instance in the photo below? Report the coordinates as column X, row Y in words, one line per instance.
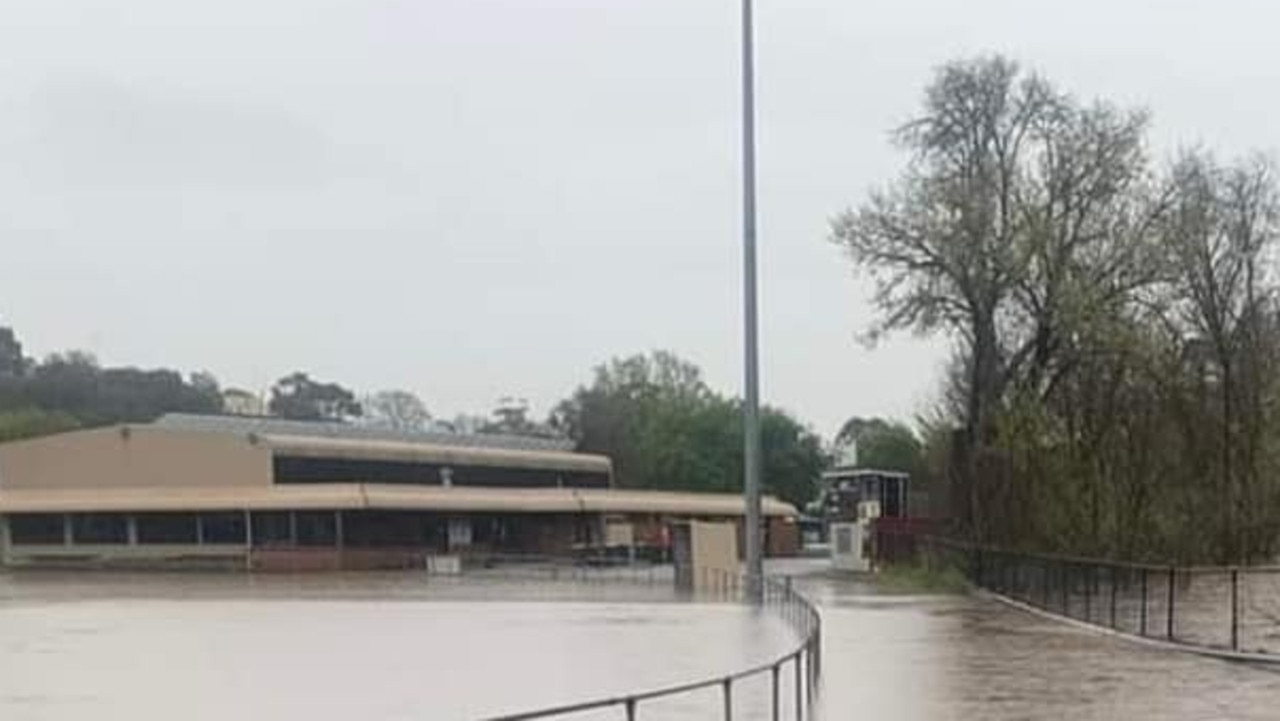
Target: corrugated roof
column 243, row 425
column 353, row 496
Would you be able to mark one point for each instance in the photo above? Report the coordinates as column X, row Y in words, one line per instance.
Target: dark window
column 392, row 529
column 167, row 528
column 317, row 528
column 100, row 528
column 222, row 527
column 272, row 528
column 291, row 469
column 36, row 528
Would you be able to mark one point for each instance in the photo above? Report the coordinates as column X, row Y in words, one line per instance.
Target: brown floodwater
column 379, row 647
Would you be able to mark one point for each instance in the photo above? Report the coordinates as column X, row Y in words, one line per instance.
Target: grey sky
column 477, row 198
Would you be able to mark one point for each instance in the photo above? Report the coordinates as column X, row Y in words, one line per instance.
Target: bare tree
column 1014, row 221
column 397, row 409
column 1219, row 240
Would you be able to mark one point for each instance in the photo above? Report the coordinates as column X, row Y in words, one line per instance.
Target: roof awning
column 354, row 496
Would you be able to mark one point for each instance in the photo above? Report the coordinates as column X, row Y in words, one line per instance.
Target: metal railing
column 1221, row 609
column 803, row 663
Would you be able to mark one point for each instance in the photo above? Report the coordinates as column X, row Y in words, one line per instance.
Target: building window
column 272, row 528
column 220, row 528
column 36, row 529
column 317, row 528
column 167, row 528
column 98, row 528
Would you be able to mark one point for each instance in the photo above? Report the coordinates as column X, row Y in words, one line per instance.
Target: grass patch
column 913, row 578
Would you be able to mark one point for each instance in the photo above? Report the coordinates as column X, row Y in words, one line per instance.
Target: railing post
column 1168, row 631
column 728, row 699
column 799, row 683
column 1142, row 619
column 777, row 716
column 1235, row 609
column 808, row 677
column 631, row 709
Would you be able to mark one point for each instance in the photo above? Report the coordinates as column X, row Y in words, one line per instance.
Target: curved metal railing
column 803, row 662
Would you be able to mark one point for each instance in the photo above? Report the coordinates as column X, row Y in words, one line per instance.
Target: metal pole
column 1169, row 607
column 751, row 390
column 728, row 699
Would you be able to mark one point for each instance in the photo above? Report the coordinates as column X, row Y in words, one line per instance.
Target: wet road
column 379, row 648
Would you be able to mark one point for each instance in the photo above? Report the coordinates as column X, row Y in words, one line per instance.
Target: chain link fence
column 1227, row 608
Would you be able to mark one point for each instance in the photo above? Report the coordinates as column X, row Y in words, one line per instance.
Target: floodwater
column 365, row 646
column 390, row 647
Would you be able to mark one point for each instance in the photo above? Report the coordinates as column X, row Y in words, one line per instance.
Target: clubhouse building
column 268, row 494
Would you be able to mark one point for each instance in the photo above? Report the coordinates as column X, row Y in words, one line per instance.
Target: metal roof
column 382, row 450
column 264, row 426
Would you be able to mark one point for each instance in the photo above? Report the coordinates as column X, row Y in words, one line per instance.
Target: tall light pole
column 751, row 390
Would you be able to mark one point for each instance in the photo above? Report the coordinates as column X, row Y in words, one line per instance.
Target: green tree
column 12, row 361
column 23, row 423
column 881, row 444
column 511, row 417
column 298, row 397
column 664, row 428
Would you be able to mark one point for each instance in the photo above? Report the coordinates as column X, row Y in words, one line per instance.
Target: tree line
column 1114, row 384
column 653, row 414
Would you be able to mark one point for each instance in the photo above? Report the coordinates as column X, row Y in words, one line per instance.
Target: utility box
column 850, row 547
column 443, row 565
column 705, row 555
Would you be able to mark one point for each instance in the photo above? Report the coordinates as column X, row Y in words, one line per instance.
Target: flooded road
column 392, row 647
column 954, row 657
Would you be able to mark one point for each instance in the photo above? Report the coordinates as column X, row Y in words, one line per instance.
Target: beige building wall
column 134, row 457
column 714, row 549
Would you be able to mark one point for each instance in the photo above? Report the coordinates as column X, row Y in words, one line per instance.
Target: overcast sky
column 478, row 198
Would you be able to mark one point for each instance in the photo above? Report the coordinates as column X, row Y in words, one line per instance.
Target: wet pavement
column 381, row 647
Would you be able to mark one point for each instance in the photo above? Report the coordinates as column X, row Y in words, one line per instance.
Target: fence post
column 1168, row 632
column 1088, row 593
column 1142, row 621
column 1064, row 575
column 728, row 699
column 1235, row 609
column 1114, row 592
column 1044, row 581
column 631, row 709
